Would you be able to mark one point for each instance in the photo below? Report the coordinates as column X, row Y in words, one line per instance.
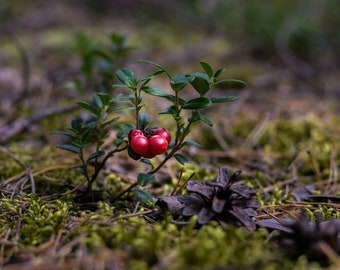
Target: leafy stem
column 84, row 135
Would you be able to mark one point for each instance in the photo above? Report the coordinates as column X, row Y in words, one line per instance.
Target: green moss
column 33, row 221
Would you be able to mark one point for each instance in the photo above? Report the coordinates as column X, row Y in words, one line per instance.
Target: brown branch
column 11, row 129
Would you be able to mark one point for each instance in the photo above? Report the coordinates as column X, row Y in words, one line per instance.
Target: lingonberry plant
column 98, row 59
column 142, row 142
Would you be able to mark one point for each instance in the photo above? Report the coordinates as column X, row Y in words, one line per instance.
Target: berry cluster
column 148, row 143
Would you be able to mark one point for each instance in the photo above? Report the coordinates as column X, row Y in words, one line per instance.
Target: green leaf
column 127, row 77
column 92, row 109
column 143, row 120
column 86, row 131
column 109, row 122
column 70, row 148
column 204, row 119
column 170, row 110
column 117, row 110
column 231, row 83
column 95, row 155
column 201, row 83
column 121, row 134
column 147, row 161
column 146, row 78
column 117, row 85
column 162, row 69
column 145, row 179
column 97, row 101
column 207, row 68
column 182, row 158
column 76, row 124
column 197, row 103
column 123, row 98
column 219, row 72
column 104, row 98
column 179, row 81
column 124, row 130
column 143, row 195
column 81, row 144
column 191, row 143
column 149, row 77
column 158, row 92
column 151, row 63
column 65, row 133
column 223, row 99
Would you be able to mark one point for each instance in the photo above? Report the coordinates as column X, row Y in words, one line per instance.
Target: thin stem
column 178, row 117
column 137, row 94
column 81, row 156
column 99, row 167
column 120, row 194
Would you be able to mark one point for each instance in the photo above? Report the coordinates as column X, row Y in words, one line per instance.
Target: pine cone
column 219, row 200
column 313, row 239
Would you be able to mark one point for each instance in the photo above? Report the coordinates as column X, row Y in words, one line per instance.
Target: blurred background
column 55, row 52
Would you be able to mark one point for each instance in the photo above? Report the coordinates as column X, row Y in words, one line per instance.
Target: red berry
column 148, row 154
column 140, row 144
column 157, row 144
column 133, row 133
column 162, row 132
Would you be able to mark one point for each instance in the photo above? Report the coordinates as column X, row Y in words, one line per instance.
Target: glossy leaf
column 197, row 103
column 203, row 118
column 65, row 133
column 145, row 179
column 97, row 100
column 191, row 143
column 117, row 110
column 231, row 83
column 143, row 120
column 207, row 68
column 70, row 148
column 81, row 144
column 149, row 77
column 201, row 83
column 223, row 99
column 123, row 98
column 143, row 195
column 219, row 72
column 92, row 109
column 109, row 122
column 152, row 63
column 147, row 161
column 170, row 110
column 158, row 93
column 182, row 158
column 117, row 85
column 127, row 77
column 124, row 130
column 178, row 82
column 76, row 124
column 95, row 155
column 85, row 132
column 104, row 98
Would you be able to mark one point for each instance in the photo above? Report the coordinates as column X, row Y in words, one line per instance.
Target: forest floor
column 283, row 133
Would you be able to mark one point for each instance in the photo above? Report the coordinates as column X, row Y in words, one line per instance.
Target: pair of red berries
column 148, row 143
